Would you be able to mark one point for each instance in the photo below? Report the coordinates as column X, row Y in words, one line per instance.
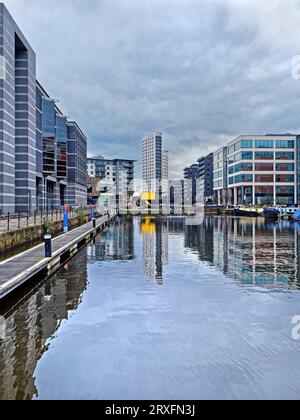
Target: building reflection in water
column 155, row 233
column 32, row 326
column 116, row 243
column 29, row 328
column 248, row 250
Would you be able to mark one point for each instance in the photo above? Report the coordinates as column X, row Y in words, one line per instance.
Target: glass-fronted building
column 263, row 170
column 33, row 132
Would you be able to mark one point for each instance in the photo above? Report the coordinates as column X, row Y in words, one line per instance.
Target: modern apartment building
column 205, row 187
column 191, row 176
column 220, row 170
column 36, row 171
column 76, row 165
column 118, row 171
column 155, row 161
column 262, row 170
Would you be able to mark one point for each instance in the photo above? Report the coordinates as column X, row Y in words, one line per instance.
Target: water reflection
column 145, row 319
column 155, row 246
column 117, row 243
column 247, row 250
column 29, row 328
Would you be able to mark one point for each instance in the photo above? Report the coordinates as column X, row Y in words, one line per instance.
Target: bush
column 47, row 225
column 81, row 216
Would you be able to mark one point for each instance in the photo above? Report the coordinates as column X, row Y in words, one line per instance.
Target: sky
column 200, row 71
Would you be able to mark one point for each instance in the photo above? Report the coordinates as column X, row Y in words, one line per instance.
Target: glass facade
column 264, row 144
column 285, row 156
column 241, row 156
column 285, row 144
column 264, row 195
column 48, row 117
column 241, row 167
column 262, row 179
column 240, row 179
column 264, row 156
column 264, row 167
column 285, row 167
column 285, row 178
column 269, row 166
column 61, row 140
column 285, row 194
column 61, row 129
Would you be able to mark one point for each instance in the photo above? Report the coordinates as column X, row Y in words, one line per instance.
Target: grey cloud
column 201, row 71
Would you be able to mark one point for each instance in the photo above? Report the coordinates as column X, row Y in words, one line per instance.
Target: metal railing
column 16, row 221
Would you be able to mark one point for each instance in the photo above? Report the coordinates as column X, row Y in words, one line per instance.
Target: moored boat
column 271, row 213
column 245, row 213
column 296, row 216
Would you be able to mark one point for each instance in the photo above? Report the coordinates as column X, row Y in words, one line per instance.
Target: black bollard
column 48, row 245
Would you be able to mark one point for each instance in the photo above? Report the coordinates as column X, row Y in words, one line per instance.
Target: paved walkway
column 18, row 269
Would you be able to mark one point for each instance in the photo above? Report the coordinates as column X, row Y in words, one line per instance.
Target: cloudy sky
column 200, row 71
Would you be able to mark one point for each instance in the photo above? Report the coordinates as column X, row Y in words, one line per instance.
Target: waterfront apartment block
column 262, row 170
column 118, row 172
column 42, row 155
column 191, row 176
column 206, row 177
column 155, row 161
column 198, row 182
column 76, row 165
column 220, row 175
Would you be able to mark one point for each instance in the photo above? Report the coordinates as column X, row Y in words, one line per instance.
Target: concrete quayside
column 16, row 271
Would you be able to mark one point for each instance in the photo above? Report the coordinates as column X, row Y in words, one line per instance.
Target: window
column 264, row 195
column 285, row 167
column 262, row 167
column 285, row 156
column 285, row 144
column 285, row 178
column 285, row 195
column 243, row 167
column 48, row 117
column 246, row 144
column 243, row 178
column 247, row 155
column 264, row 178
column 61, row 129
column 241, row 156
column 264, row 155
column 264, row 144
column 231, row 150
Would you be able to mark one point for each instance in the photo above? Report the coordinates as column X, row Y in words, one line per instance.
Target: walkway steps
column 19, row 269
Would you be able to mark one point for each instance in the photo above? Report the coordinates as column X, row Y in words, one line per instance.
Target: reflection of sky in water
column 158, row 312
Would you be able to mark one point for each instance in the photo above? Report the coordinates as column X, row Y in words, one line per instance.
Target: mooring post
column 48, row 245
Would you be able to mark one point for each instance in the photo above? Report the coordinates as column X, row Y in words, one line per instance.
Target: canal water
column 156, row 309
